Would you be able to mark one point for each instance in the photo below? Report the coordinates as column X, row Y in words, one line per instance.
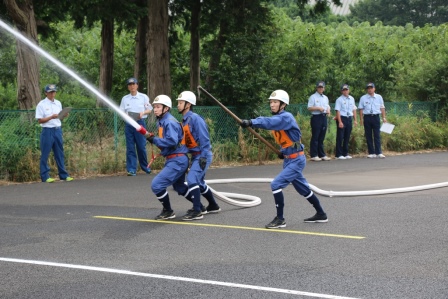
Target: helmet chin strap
column 163, row 113
column 280, row 108
column 182, row 111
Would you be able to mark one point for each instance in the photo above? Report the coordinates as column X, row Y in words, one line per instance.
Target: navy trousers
column 318, row 132
column 343, row 136
column 372, row 127
column 51, row 140
column 135, row 140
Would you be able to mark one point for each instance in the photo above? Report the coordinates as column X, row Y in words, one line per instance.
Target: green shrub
column 8, row 97
column 18, row 147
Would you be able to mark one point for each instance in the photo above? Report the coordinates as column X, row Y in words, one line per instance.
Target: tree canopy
column 249, row 48
column 401, row 12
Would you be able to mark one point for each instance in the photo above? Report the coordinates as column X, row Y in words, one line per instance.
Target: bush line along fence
column 94, row 141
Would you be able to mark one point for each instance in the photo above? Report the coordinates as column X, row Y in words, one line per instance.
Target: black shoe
column 213, row 209
column 276, row 223
column 166, row 215
column 193, row 215
column 203, row 210
column 317, row 218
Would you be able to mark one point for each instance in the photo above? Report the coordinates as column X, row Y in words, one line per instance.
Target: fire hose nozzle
column 142, row 130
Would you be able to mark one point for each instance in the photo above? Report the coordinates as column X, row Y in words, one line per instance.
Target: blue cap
column 50, row 87
column 131, row 80
column 345, row 86
column 370, row 84
column 320, row 84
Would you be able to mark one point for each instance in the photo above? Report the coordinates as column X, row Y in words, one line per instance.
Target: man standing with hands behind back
column 371, row 106
column 136, row 105
column 319, row 107
column 47, row 114
column 345, row 116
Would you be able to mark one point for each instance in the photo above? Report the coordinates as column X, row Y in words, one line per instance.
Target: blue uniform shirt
column 371, row 104
column 282, row 121
column 172, row 135
column 199, row 130
column 345, row 105
column 318, row 100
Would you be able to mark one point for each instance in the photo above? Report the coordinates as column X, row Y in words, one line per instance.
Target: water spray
column 59, row 64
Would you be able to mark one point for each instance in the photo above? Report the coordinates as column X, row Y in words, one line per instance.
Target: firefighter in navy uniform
column 197, row 140
column 288, row 135
column 171, row 143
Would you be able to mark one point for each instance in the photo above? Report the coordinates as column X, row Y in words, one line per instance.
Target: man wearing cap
column 319, row 107
column 136, row 105
column 345, row 115
column 371, row 106
column 47, row 115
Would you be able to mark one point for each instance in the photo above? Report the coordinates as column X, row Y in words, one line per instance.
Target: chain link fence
column 94, row 141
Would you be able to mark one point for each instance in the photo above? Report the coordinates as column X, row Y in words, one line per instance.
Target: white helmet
column 187, row 96
column 280, row 95
column 163, row 99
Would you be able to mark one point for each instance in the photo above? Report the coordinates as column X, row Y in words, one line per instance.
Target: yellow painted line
column 232, row 226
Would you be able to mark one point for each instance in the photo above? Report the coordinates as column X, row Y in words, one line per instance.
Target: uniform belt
column 52, row 128
column 293, row 156
column 195, row 153
column 173, row 156
column 347, row 116
column 321, row 114
column 371, row 114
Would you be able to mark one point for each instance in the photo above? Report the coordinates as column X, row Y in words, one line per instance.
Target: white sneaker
column 326, row 158
column 371, row 156
column 316, row 159
column 341, row 158
column 348, row 157
column 381, row 156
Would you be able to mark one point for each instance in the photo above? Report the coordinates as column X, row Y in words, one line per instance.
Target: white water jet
column 59, row 64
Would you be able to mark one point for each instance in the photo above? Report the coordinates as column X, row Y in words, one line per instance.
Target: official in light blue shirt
column 137, row 105
column 345, row 104
column 318, row 103
column 319, row 107
column 345, row 115
column 371, row 106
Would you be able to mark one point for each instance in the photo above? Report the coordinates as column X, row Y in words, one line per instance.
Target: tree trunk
column 216, row 56
column 28, row 91
column 140, row 51
column 158, row 68
column 195, row 69
column 107, row 59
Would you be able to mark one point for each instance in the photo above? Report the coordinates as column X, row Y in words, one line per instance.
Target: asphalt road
column 96, row 238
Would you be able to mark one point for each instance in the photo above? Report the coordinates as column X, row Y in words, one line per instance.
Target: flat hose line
column 252, row 201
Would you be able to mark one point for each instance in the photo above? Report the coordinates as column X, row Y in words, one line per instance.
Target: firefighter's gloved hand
column 281, row 156
column 150, row 137
column 202, row 163
column 246, row 123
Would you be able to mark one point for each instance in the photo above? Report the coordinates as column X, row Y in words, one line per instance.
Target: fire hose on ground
column 252, row 201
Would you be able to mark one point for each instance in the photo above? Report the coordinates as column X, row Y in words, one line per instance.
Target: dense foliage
column 407, row 63
column 402, row 12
